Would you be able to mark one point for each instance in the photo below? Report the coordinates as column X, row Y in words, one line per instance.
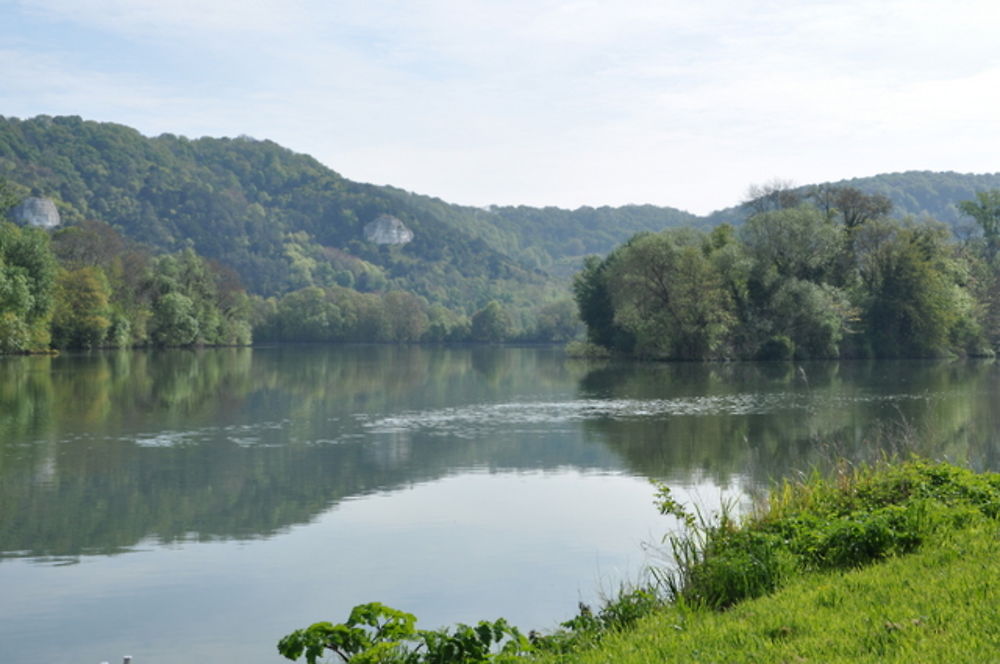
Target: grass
column 941, row 604
column 897, row 562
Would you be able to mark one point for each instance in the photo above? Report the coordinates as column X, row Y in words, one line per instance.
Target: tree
column 174, row 322
column 406, row 316
column 491, row 324
column 82, row 315
column 856, row 207
column 9, row 197
column 912, row 305
column 27, row 275
column 771, row 196
column 986, row 211
column 798, row 242
column 308, row 314
column 667, row 292
column 813, row 317
column 596, row 310
column 557, row 321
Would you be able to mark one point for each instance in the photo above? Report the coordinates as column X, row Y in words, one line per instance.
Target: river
column 195, row 506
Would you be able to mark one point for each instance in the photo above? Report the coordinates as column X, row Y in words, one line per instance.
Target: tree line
column 87, row 286
column 821, row 273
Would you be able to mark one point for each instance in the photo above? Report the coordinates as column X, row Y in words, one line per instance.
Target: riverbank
column 898, row 563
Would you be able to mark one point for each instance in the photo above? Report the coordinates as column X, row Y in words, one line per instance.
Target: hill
column 284, row 221
column 918, row 194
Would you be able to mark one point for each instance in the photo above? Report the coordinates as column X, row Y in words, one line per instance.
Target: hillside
column 284, row 221
column 918, row 194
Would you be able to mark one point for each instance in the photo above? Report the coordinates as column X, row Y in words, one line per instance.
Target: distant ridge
column 913, row 193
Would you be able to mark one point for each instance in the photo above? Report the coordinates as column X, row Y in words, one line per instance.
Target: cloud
column 157, row 17
column 538, row 101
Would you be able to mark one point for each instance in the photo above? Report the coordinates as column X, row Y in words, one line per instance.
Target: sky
column 534, row 102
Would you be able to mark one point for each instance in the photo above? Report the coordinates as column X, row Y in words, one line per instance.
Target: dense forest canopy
column 821, row 273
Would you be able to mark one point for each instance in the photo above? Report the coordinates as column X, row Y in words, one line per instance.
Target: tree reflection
column 817, row 412
column 101, row 451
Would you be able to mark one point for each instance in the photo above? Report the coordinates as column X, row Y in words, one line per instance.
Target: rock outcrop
column 34, row 211
column 387, row 229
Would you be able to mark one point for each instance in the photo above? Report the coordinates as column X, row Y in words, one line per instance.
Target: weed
column 853, row 517
column 378, row 634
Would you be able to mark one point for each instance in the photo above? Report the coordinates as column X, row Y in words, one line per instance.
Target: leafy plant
column 372, row 633
column 377, row 634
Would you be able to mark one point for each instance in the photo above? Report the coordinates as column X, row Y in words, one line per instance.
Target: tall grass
column 852, row 517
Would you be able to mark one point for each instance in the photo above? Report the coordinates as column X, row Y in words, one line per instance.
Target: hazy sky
column 534, row 102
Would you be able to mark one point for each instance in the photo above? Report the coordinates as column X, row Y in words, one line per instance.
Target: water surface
column 197, row 505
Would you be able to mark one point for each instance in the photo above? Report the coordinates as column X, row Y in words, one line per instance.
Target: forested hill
column 284, row 221
column 919, row 194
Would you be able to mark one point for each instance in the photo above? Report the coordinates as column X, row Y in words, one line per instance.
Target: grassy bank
column 898, row 562
column 939, row 604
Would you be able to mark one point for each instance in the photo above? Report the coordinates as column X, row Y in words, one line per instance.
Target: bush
column 859, row 516
column 860, row 538
column 377, row 634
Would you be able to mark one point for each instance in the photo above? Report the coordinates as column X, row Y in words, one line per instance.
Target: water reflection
column 764, row 421
column 100, row 452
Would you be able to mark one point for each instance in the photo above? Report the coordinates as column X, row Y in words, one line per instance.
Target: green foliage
column 174, row 322
column 912, row 302
column 378, row 634
column 284, row 221
column 557, row 321
column 985, row 210
column 812, row 317
column 865, row 515
column 859, row 538
column 718, row 564
column 799, row 243
column 587, row 628
column 918, row 194
column 372, row 633
column 938, row 604
column 335, row 313
column 27, row 277
column 83, row 316
column 667, row 293
column 596, row 308
column 9, row 197
column 491, row 324
column 794, row 282
column 779, row 347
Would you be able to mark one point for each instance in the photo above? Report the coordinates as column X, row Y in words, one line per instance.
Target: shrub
column 858, row 516
column 378, row 634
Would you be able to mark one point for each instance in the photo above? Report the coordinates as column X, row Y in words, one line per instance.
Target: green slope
column 913, row 193
column 284, row 221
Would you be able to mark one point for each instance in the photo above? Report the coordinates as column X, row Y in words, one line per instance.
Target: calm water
column 197, row 506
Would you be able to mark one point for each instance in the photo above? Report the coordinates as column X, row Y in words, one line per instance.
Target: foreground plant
column 378, row 634
column 860, row 515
